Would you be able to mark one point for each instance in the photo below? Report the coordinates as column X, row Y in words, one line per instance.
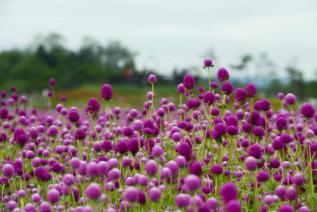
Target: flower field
column 217, row 148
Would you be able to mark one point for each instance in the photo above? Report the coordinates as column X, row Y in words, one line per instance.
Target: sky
column 173, row 33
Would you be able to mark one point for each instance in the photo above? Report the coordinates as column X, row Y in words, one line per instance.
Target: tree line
column 29, row 69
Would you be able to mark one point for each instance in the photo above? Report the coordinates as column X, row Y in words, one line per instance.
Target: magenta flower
column 307, row 110
column 93, row 191
column 208, row 63
column 152, row 78
column 106, row 92
column 189, row 81
column 228, row 192
column 223, row 74
column 93, row 107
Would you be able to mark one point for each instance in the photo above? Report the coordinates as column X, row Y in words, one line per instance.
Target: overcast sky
column 173, row 33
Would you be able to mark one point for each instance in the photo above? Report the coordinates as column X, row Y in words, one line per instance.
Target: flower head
column 106, row 92
column 208, row 63
column 223, row 74
column 93, row 191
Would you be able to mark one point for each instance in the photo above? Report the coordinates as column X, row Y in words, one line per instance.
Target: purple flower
column 192, row 182
column 53, row 196
column 281, row 123
column 263, row 176
column 233, row 206
column 52, row 82
column 106, row 92
column 286, row 208
column 228, row 192
column 255, row 150
column 251, row 163
column 155, row 194
column 20, row 136
column 209, row 97
column 250, row 90
column 222, row 74
column 181, row 88
column 240, row 95
column 182, row 200
column 45, row 207
column 152, row 79
column 184, row 149
column 42, row 174
column 208, row 63
column 227, row 88
column 93, row 191
column 8, row 170
column 93, row 107
column 307, row 110
column 298, row 179
column 131, row 194
column 73, row 115
column 216, row 169
column 189, row 81
column 290, row 99
column 69, row 179
column 291, row 193
column 151, row 167
column 195, row 168
column 29, row 208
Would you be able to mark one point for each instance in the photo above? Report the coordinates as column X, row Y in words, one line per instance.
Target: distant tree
column 243, row 63
column 296, row 80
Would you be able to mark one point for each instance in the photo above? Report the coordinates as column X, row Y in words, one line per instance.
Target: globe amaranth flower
column 255, row 150
column 69, row 179
column 298, row 179
column 151, row 167
column 208, row 62
column 195, row 168
column 181, row 88
column 251, row 163
column 20, row 136
column 8, row 170
column 222, row 74
column 228, row 192
column 93, row 191
column 53, row 196
column 250, row 90
column 216, row 169
column 209, row 97
column 93, row 107
column 240, row 95
column 281, row 123
column 73, row 115
column 152, row 78
column 262, row 104
column 307, row 110
column 193, row 103
column 290, row 99
column 154, row 194
column 192, row 182
column 189, row 81
column 184, row 149
column 106, row 92
column 182, row 200
column 233, row 206
column 227, row 88
column 52, row 82
column 291, row 193
column 263, row 176
column 42, row 174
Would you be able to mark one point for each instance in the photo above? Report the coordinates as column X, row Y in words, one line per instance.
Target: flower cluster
column 219, row 149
